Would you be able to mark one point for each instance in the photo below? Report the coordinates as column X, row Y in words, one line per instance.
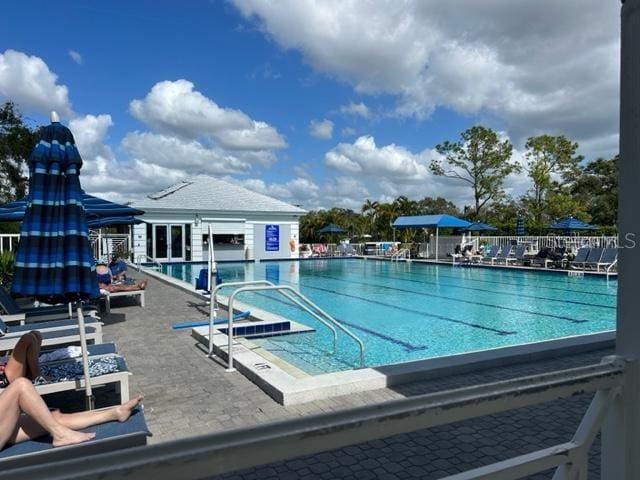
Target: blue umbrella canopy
column 570, row 224
column 520, row 225
column 96, row 208
column 54, row 259
column 480, row 227
column 331, row 228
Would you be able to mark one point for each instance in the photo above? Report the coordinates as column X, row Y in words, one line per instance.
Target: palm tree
column 370, row 209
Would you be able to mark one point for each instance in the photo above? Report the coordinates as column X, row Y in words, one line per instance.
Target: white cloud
column 356, row 109
column 90, row 132
column 75, row 56
column 175, row 108
column 364, row 157
column 185, row 155
column 28, row 82
column 322, row 129
column 542, row 66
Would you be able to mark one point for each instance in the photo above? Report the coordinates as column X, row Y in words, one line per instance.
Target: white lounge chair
column 107, row 296
column 96, row 353
column 54, row 333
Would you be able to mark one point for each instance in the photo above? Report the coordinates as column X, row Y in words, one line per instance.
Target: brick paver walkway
column 188, row 394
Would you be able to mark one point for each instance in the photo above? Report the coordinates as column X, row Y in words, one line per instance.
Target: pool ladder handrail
column 213, row 303
column 613, row 264
column 158, row 265
column 300, row 301
column 402, row 253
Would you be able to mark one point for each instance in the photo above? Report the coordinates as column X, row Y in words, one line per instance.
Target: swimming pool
column 415, row 311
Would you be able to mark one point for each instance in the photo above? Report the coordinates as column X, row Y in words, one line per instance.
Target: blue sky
column 317, row 103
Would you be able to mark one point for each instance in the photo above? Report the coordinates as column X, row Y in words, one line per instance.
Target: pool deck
column 188, row 394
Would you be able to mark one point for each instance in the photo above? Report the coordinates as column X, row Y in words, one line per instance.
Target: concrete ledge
column 288, row 390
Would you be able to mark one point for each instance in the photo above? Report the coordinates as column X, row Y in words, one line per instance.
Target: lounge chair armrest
column 13, row 318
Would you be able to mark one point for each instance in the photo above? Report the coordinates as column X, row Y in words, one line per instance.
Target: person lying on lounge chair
column 105, row 281
column 23, row 361
column 25, row 416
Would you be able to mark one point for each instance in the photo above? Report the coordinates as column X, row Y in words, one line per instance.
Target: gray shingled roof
column 212, row 194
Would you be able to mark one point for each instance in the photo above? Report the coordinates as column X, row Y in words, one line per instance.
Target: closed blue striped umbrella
column 520, row 225
column 54, row 260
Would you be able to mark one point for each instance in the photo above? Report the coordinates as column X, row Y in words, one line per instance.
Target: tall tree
column 597, row 189
column 16, row 142
column 548, row 156
column 480, row 159
column 435, row 206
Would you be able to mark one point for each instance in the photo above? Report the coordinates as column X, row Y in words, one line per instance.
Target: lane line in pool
column 406, row 345
column 494, row 282
column 409, row 310
column 453, row 299
column 521, row 295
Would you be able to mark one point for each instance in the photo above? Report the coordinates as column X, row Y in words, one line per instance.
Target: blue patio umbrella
column 480, row 227
column 520, row 225
column 331, row 228
column 54, row 260
column 95, row 208
column 571, row 224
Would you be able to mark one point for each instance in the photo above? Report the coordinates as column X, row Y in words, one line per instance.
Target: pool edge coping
column 288, row 390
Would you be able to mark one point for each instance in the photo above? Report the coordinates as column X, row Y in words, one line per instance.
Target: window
column 224, row 239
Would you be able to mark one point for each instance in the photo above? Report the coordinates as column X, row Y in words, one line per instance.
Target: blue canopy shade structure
column 520, row 225
column 54, row 260
column 571, row 224
column 96, row 209
column 431, row 221
column 331, row 228
column 480, row 227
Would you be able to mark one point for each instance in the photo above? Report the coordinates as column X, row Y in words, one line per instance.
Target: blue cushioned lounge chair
column 581, row 258
column 109, row 437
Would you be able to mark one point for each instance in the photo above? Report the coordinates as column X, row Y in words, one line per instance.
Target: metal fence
column 9, row 242
column 535, row 243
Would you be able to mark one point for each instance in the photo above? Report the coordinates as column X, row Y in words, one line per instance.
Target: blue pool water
column 406, row 312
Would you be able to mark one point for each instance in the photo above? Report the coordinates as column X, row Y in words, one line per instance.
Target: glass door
column 177, row 243
column 169, row 243
column 160, row 243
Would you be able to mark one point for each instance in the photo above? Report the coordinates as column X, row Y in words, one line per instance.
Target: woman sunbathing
column 105, row 281
column 25, row 416
column 23, row 361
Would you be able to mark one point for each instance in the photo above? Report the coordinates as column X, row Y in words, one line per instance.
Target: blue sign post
column 271, row 238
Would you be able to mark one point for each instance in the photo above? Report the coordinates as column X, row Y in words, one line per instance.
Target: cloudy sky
column 318, row 103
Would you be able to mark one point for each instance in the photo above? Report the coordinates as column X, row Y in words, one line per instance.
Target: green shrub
column 6, row 269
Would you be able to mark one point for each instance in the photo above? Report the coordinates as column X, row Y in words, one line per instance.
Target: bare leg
column 125, row 288
column 21, row 396
column 79, row 420
column 24, row 359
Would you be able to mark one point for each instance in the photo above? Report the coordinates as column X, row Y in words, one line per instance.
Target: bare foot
column 143, row 284
column 71, row 437
column 123, row 412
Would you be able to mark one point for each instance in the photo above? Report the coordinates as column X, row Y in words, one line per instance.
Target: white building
column 246, row 225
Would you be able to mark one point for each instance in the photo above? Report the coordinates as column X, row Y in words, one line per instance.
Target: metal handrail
column 613, row 264
column 147, row 257
column 213, row 303
column 404, row 253
column 291, row 293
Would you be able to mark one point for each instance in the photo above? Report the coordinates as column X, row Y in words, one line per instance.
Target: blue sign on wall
column 271, row 238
